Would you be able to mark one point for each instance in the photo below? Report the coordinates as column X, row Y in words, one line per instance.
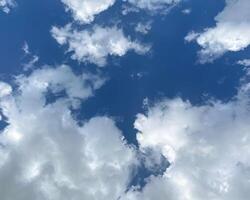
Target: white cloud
column 153, row 5
column 208, row 147
column 26, row 48
column 94, row 46
column 186, row 11
column 143, row 28
column 231, row 33
column 84, row 11
column 245, row 62
column 45, row 154
column 6, row 5
column 5, row 89
column 32, row 59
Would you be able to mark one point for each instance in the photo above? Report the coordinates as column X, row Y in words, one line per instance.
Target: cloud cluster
column 208, row 148
column 6, row 5
column 96, row 44
column 231, row 33
column 84, row 11
column 46, row 154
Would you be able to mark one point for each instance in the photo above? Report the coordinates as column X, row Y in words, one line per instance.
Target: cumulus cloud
column 95, row 45
column 153, row 5
column 46, row 154
column 6, row 5
column 208, row 147
column 84, row 11
column 231, row 33
column 5, row 89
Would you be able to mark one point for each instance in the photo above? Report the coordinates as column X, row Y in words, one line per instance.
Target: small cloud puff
column 46, row 154
column 231, row 33
column 95, row 45
column 153, row 5
column 84, row 11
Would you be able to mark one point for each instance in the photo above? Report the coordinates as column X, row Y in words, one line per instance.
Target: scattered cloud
column 46, row 153
column 85, row 11
column 143, row 28
column 32, row 59
column 6, row 5
column 231, row 33
column 25, row 48
column 95, row 45
column 153, row 5
column 245, row 62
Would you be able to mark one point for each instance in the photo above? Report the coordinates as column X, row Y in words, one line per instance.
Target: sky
column 124, row 100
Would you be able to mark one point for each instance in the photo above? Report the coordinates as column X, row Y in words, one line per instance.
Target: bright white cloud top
column 85, row 11
column 45, row 154
column 95, row 45
column 231, row 33
column 6, row 5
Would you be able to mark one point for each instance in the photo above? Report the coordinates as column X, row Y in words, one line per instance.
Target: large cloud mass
column 231, row 33
column 208, row 148
column 46, row 154
column 84, row 11
column 94, row 46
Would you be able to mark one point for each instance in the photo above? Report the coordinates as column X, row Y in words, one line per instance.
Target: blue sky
column 151, row 96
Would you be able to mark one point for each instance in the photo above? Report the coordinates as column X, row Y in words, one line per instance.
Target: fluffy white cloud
column 231, row 33
column 208, row 147
column 95, row 45
column 6, row 5
column 46, row 154
column 84, row 11
column 153, row 5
